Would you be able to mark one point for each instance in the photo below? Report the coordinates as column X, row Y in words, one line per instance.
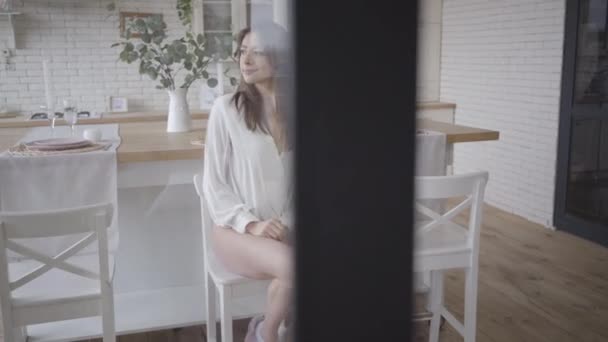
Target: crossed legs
column 260, row 258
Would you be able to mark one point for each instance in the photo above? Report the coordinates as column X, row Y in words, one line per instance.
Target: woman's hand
column 272, row 229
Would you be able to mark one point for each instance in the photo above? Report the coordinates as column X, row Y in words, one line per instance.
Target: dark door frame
column 354, row 169
column 592, row 231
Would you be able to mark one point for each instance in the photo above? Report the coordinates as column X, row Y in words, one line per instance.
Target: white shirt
column 245, row 179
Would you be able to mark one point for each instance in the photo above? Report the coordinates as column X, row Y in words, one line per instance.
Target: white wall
column 429, row 46
column 501, row 64
column 75, row 36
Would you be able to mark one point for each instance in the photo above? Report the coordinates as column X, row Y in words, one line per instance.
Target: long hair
column 247, row 98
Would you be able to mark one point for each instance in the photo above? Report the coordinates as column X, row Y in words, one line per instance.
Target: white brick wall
column 429, row 45
column 501, row 64
column 75, row 36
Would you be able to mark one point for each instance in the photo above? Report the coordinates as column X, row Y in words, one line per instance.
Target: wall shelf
column 11, row 27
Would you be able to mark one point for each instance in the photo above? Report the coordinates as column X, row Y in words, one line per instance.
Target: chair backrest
column 27, row 225
column 206, row 221
column 91, row 219
column 469, row 185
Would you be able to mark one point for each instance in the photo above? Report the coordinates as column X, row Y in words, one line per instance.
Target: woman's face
column 254, row 63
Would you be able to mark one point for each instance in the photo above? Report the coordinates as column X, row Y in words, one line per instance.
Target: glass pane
column 259, row 13
column 591, row 84
column 216, row 17
column 220, row 43
column 587, row 195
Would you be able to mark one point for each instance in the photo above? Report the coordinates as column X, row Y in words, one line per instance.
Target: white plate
column 58, row 144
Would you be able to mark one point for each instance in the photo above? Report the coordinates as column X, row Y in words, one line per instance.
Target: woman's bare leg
column 259, row 258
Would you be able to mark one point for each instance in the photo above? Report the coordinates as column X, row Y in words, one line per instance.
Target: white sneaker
column 285, row 333
column 258, row 331
column 252, row 330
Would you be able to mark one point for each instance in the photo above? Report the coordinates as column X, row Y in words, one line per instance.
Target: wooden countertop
column 140, row 141
column 435, row 105
column 148, row 141
column 458, row 133
column 22, row 121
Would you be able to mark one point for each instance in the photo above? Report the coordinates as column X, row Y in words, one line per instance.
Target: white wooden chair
column 441, row 244
column 45, row 289
column 227, row 284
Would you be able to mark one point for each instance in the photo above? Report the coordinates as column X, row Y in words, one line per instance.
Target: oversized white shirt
column 245, row 178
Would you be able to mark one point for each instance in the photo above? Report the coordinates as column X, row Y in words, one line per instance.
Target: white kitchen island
column 158, row 282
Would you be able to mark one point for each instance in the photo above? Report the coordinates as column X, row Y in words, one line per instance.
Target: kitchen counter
column 458, row 133
column 435, row 105
column 148, row 140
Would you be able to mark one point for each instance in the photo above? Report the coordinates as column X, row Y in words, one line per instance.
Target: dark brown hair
column 247, row 97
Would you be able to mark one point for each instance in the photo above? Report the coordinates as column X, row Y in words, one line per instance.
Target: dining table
column 159, row 282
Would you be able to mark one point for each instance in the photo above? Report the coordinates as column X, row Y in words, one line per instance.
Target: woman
column 246, row 179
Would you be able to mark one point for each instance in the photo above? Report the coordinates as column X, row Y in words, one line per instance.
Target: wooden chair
column 67, row 286
column 217, row 278
column 441, row 244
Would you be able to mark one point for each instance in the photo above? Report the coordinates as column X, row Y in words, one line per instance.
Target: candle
column 47, row 89
column 220, row 77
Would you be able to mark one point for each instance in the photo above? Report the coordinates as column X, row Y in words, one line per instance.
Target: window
column 221, row 20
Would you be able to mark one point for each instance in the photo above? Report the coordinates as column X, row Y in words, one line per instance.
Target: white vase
column 179, row 119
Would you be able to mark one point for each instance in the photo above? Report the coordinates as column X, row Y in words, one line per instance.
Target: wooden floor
column 535, row 285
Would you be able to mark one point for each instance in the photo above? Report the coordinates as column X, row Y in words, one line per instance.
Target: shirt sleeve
column 287, row 216
column 225, row 206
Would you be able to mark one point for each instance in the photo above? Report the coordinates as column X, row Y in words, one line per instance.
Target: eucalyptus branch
column 165, row 60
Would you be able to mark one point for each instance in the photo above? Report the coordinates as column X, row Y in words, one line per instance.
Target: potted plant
column 176, row 64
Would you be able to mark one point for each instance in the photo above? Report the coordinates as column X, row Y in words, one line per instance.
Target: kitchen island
column 159, row 271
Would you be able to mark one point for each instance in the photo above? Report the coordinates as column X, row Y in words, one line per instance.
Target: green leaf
column 233, row 81
column 212, row 82
column 160, row 87
column 129, row 47
column 158, row 39
column 180, row 52
column 124, row 55
column 149, row 55
column 111, row 6
column 188, row 66
column 170, row 50
column 199, row 53
column 146, row 37
column 159, row 33
column 165, row 82
column 184, row 12
column 166, row 59
column 140, row 25
column 115, row 44
column 205, row 74
column 200, row 38
column 152, row 73
column 156, row 22
column 132, row 57
column 189, row 79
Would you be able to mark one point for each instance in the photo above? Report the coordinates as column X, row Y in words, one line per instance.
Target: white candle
column 47, row 89
column 220, row 77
